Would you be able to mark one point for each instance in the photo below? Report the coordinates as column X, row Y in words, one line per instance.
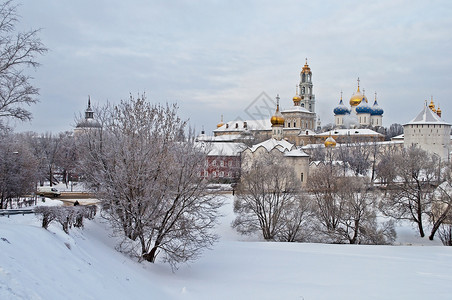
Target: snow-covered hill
column 48, row 264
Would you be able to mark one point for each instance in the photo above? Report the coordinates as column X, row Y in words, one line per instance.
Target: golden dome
column 277, row 118
column 306, row 69
column 330, row 142
column 357, row 97
column 432, row 105
column 221, row 122
column 296, row 99
column 438, row 112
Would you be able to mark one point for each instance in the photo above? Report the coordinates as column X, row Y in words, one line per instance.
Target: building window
column 294, row 124
column 302, row 177
column 214, row 163
column 214, row 174
column 206, row 174
column 221, row 163
column 221, row 174
column 230, row 163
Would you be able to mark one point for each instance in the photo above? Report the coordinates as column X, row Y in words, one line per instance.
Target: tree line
column 356, row 194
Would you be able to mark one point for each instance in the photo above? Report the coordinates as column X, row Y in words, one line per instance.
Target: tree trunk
column 421, row 228
column 435, row 228
column 152, row 255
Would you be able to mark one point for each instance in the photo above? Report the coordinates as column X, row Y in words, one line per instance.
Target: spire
column 277, row 102
column 89, row 114
column 341, row 95
column 358, row 84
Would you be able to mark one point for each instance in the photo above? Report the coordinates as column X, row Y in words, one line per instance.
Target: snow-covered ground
column 48, row 264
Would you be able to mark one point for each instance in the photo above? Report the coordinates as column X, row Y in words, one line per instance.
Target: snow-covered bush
column 67, row 216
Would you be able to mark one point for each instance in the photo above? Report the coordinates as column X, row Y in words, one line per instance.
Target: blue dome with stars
column 376, row 110
column 363, row 107
column 341, row 109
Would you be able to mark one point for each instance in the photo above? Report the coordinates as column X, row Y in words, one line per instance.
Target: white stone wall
column 434, row 138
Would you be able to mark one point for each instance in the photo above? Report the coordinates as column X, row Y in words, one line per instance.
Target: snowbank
column 48, row 264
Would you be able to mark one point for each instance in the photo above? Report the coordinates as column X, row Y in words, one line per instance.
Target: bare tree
column 148, row 181
column 324, row 187
column 17, row 52
column 441, row 208
column 384, row 169
column 269, row 200
column 411, row 197
column 345, row 208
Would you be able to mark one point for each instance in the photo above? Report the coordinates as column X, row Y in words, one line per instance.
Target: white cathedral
column 360, row 114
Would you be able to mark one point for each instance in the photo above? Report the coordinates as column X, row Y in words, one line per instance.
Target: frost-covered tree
column 18, row 169
column 66, row 156
column 394, row 130
column 269, row 200
column 18, row 50
column 46, row 149
column 149, row 181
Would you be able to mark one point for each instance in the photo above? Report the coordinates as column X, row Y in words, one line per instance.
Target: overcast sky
column 216, row 57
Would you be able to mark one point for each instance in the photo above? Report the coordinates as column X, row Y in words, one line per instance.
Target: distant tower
column 89, row 114
column 277, row 121
column 429, row 132
column 319, row 125
column 89, row 122
column 306, row 89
